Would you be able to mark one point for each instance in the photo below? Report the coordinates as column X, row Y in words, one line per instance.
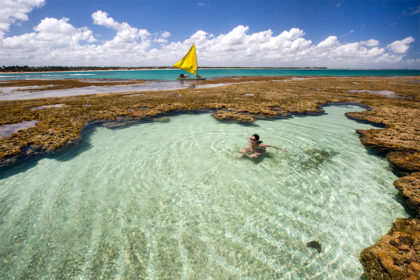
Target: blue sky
column 228, row 30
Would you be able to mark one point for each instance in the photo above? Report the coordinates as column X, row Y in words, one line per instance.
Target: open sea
column 171, row 74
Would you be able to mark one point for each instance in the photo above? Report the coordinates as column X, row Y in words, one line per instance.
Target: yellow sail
column 188, row 62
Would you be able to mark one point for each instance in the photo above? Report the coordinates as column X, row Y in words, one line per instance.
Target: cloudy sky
column 330, row 33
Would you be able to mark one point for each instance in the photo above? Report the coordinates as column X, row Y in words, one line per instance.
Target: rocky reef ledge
column 244, row 99
column 396, row 255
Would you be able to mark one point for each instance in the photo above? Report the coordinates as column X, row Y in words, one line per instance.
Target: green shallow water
column 175, row 200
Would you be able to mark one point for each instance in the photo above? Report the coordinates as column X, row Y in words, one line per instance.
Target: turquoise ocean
column 171, row 74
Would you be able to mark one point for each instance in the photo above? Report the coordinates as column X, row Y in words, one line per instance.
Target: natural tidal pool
column 175, row 200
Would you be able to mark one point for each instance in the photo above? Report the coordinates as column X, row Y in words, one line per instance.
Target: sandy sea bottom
column 176, row 200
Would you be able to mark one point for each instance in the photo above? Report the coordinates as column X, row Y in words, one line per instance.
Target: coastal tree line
column 25, row 68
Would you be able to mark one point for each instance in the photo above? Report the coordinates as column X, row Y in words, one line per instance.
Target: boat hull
column 193, row 79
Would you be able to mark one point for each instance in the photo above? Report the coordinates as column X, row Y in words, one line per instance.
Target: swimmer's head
column 255, row 138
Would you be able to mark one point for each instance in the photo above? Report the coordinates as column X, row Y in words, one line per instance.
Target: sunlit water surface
column 176, row 200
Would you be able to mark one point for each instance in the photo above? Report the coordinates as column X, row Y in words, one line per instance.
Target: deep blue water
column 208, row 73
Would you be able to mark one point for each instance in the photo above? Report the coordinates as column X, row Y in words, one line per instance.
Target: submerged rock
column 162, row 119
column 315, row 245
column 119, row 122
column 396, row 255
column 232, row 116
column 316, row 158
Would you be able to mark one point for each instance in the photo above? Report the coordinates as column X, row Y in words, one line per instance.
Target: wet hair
column 257, row 137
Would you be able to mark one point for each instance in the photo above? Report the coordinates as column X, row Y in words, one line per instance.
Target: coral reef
column 405, row 160
column 230, row 116
column 244, row 99
column 40, row 85
column 396, row 255
column 409, row 187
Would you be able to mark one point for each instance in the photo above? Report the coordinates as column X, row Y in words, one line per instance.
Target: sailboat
column 189, row 63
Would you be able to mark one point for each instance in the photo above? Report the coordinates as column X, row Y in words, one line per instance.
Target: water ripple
column 175, row 200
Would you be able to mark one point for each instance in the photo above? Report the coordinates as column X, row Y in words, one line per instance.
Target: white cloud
column 401, row 46
column 58, row 42
column 60, row 32
column 370, row 43
column 163, row 38
column 331, row 41
column 126, row 35
column 13, row 10
column 50, row 33
column 101, row 18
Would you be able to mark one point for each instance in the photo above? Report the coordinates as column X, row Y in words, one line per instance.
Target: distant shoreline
column 98, row 69
column 105, row 69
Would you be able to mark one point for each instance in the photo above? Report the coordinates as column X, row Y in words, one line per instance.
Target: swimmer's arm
column 270, row 146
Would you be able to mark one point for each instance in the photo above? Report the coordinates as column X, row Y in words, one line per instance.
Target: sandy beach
column 393, row 105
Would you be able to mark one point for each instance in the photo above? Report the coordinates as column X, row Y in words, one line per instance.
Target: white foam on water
column 11, row 93
column 175, row 199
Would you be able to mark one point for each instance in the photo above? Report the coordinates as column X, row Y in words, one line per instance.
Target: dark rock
column 314, row 245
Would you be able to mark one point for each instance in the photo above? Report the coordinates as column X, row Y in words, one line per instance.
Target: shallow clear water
column 171, row 74
column 17, row 93
column 9, row 129
column 176, row 200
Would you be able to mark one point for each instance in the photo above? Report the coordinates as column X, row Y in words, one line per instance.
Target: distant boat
column 189, row 63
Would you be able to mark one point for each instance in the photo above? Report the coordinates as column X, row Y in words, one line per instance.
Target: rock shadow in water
column 72, row 151
column 14, row 169
column 314, row 158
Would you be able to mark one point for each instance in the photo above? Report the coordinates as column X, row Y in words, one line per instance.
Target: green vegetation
column 25, row 68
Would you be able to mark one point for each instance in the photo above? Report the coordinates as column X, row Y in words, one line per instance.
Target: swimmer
column 256, row 147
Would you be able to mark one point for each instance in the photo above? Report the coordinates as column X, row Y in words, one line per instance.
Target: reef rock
column 396, row 255
column 405, row 160
column 232, row 116
column 409, row 187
